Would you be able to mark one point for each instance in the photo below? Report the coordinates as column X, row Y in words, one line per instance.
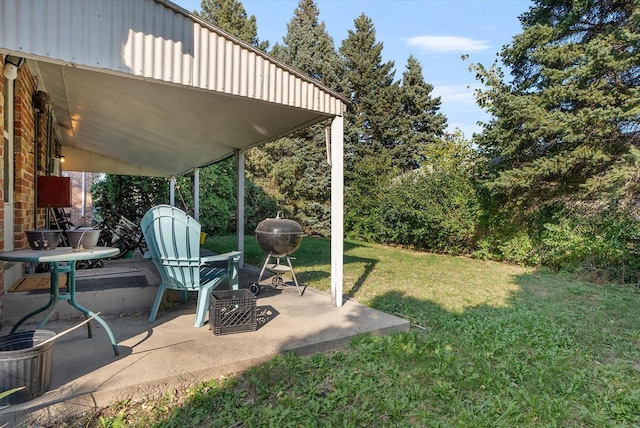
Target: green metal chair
column 173, row 239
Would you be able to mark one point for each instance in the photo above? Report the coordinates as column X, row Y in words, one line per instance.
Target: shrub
column 604, row 246
column 128, row 196
column 430, row 211
column 601, row 245
column 517, row 247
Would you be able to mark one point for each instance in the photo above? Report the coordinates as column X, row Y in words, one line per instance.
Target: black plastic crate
column 232, row 311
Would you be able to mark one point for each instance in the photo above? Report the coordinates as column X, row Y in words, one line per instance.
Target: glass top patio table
column 68, row 257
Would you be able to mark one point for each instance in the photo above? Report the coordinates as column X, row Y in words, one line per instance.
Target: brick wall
column 28, row 147
column 25, row 150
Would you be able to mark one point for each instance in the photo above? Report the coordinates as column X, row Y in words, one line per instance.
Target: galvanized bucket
column 25, row 361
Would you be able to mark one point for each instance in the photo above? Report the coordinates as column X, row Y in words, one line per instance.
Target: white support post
column 240, row 216
column 196, row 193
column 337, row 209
column 172, row 191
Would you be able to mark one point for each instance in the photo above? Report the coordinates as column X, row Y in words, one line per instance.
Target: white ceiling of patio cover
column 132, row 126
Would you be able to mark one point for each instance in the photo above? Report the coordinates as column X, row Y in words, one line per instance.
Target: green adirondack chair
column 173, row 239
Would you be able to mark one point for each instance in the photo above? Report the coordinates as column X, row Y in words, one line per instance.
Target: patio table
column 68, row 257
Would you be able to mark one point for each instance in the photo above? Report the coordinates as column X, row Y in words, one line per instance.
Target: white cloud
column 443, row 44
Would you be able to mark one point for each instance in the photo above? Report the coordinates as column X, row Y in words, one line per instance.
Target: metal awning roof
column 144, row 87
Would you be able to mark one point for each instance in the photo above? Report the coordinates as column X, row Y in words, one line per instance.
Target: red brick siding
column 26, row 147
column 24, row 158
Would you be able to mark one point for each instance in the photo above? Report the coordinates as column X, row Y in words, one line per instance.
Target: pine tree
column 307, row 46
column 368, row 82
column 230, row 16
column 371, row 126
column 419, row 123
column 564, row 170
column 295, row 168
column 566, row 130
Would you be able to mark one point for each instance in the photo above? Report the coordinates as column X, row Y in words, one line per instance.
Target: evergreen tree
column 368, row 83
column 371, row 127
column 295, row 168
column 308, row 47
column 230, row 16
column 567, row 128
column 419, row 122
column 563, row 145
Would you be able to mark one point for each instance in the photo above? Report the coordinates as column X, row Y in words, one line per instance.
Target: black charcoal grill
column 278, row 237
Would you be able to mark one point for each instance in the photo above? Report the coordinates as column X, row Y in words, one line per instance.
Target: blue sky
column 436, row 32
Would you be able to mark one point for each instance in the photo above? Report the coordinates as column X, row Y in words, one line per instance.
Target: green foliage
column 132, row 196
column 370, row 180
column 388, row 119
column 258, row 206
column 602, row 245
column 370, row 117
column 390, row 128
column 514, row 247
column 218, row 196
column 295, row 173
column 430, row 211
column 419, row 122
column 218, row 199
column 129, row 196
column 308, row 47
column 605, row 247
column 563, row 178
column 231, row 16
column 435, row 208
column 452, row 154
column 567, row 124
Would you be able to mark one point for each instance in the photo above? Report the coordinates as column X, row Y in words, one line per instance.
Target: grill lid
column 279, row 226
column 279, row 236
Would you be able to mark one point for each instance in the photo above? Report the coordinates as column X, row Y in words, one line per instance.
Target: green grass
column 493, row 345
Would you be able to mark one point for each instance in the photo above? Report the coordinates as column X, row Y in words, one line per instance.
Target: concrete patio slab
column 171, row 352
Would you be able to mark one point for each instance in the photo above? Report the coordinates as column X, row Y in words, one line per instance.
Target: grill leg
column 295, row 280
column 264, row 266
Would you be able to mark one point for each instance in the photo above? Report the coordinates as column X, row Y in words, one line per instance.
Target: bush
column 430, row 211
column 128, row 196
column 600, row 245
column 517, row 247
column 604, row 247
column 132, row 196
column 368, row 181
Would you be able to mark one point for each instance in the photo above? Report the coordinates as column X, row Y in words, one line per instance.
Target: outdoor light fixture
column 11, row 66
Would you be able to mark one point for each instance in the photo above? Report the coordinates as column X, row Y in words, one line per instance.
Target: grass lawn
column 493, row 345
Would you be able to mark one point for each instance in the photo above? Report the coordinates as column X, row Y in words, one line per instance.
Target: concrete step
column 122, row 286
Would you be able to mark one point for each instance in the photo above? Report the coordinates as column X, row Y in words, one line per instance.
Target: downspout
column 35, row 175
column 49, row 135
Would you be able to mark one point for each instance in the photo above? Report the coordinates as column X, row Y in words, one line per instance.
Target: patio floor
column 170, row 352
